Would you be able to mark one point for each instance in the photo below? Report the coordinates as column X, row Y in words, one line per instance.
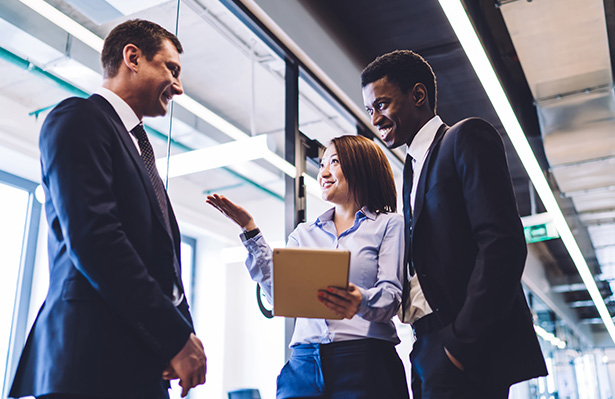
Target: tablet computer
column 298, row 274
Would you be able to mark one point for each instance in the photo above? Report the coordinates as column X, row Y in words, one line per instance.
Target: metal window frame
column 191, row 241
column 23, row 292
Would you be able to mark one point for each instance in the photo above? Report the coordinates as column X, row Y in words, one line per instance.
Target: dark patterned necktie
column 147, row 154
column 408, row 269
column 407, row 192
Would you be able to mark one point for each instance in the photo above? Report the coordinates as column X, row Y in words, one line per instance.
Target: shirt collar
column 368, row 214
column 327, row 216
column 127, row 115
column 420, row 144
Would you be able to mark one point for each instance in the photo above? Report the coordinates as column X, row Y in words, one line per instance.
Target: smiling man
column 115, row 323
column 464, row 244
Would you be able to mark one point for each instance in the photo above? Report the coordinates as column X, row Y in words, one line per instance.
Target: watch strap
column 246, row 235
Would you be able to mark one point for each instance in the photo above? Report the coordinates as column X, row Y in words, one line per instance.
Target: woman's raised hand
column 232, row 211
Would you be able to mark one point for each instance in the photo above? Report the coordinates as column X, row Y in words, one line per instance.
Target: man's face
column 392, row 112
column 158, row 80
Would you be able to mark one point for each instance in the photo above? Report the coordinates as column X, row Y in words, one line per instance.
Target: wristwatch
column 246, row 235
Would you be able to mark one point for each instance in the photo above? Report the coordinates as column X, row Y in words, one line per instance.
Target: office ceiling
column 552, row 57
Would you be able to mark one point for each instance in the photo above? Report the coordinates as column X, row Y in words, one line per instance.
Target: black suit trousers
column 434, row 376
column 156, row 392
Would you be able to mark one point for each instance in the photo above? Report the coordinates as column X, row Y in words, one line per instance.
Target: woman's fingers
column 231, row 210
column 339, row 292
column 333, row 303
column 344, row 302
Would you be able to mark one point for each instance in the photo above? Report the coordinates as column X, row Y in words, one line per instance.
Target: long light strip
column 473, row 48
column 210, row 117
column 218, row 156
column 65, row 22
column 92, row 40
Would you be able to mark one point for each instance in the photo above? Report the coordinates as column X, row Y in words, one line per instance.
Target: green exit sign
column 540, row 232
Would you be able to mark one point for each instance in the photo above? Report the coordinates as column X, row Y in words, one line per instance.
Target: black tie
column 147, row 154
column 408, row 269
column 407, row 192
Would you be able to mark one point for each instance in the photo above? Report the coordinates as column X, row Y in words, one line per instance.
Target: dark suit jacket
column 108, row 326
column 469, row 250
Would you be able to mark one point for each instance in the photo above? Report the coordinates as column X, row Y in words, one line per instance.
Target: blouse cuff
column 363, row 308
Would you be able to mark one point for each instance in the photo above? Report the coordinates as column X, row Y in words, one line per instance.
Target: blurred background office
column 267, row 82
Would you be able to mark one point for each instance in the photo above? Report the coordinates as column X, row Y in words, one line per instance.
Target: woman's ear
column 131, row 57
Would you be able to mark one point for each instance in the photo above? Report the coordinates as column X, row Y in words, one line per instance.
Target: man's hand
column 344, row 302
column 189, row 365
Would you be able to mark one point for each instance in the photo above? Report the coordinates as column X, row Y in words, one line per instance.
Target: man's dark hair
column 403, row 68
column 147, row 36
column 367, row 172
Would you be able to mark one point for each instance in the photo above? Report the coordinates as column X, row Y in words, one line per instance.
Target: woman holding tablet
column 354, row 357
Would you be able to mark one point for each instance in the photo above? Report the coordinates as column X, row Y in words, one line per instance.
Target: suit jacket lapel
column 134, row 155
column 420, row 190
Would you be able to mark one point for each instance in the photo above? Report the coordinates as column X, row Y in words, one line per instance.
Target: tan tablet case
column 298, row 274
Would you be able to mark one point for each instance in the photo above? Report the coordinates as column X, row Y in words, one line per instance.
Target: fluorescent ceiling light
column 210, row 117
column 280, row 163
column 233, row 153
column 473, row 48
column 76, row 73
column 66, row 23
column 219, row 156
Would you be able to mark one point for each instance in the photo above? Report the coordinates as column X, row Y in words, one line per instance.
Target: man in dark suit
column 465, row 248
column 115, row 323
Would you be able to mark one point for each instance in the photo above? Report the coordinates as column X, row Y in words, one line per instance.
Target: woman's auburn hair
column 368, row 173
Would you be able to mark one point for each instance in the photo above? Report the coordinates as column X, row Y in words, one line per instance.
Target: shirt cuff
column 363, row 308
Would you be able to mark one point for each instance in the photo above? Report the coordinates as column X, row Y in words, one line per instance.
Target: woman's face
column 331, row 178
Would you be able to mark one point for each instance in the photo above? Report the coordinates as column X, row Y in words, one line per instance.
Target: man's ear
column 419, row 94
column 131, row 57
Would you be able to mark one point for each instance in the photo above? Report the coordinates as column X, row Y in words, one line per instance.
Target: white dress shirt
column 418, row 150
